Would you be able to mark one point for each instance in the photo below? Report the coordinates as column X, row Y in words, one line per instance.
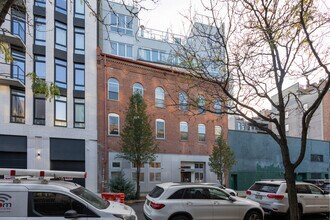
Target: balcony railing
column 16, row 36
column 15, row 76
column 160, row 36
column 18, row 73
column 18, row 30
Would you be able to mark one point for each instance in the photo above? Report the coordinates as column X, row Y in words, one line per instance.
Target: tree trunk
column 292, row 193
column 4, row 8
column 137, row 193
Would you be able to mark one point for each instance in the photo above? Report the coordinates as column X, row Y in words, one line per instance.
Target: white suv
column 178, row 201
column 273, row 197
column 34, row 198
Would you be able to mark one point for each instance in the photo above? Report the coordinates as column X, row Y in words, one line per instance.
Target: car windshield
column 264, row 187
column 91, row 198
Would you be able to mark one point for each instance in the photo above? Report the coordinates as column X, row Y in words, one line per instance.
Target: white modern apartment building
column 57, row 40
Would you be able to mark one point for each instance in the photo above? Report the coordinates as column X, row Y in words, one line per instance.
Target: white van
column 34, row 198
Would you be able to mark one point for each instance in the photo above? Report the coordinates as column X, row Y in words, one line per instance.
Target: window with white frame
column 155, row 164
column 159, row 97
column 183, row 131
column 199, row 177
column 201, row 104
column 113, row 89
column 217, row 131
column 134, row 165
column 121, row 24
column 134, row 176
column 152, row 55
column 138, row 89
column 121, row 49
column 183, row 101
column 286, row 114
column 201, row 132
column 116, row 164
column 217, row 106
column 113, row 123
column 160, row 129
column 287, row 127
column 155, row 176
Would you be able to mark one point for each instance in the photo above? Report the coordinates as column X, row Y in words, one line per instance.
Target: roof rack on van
column 12, row 173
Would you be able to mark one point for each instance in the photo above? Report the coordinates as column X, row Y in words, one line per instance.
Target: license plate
column 258, row 197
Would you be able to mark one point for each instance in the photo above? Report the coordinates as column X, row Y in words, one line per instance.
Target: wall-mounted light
column 38, row 154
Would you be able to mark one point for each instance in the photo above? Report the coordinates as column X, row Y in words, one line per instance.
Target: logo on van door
column 5, row 204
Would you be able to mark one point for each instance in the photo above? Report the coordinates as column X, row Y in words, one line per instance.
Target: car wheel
column 253, row 215
column 180, row 217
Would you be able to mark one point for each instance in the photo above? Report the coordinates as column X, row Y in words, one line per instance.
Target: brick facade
column 151, row 76
column 326, row 116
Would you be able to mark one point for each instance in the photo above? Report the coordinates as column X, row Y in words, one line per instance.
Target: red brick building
column 185, row 138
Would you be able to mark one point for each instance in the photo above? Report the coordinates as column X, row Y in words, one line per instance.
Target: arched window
column 217, row 131
column 160, row 129
column 138, row 88
column 201, row 132
column 159, row 97
column 183, row 101
column 183, row 131
column 113, row 89
column 201, row 104
column 113, row 124
column 217, row 106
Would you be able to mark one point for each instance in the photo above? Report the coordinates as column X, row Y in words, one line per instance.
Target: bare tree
column 258, row 47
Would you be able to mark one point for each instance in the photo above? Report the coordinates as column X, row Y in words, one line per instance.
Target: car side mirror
column 71, row 214
column 232, row 199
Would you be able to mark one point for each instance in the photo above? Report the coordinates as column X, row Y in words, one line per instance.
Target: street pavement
column 138, row 207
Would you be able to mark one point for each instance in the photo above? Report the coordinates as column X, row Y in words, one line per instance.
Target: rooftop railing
column 160, row 35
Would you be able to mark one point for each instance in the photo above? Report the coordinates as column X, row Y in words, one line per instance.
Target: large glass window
column 201, row 104
column 183, row 101
column 201, row 132
column 79, row 40
column 113, row 123
column 153, row 55
column 39, row 113
column 113, row 89
column 40, row 66
column 60, row 111
column 18, row 66
column 79, row 77
column 138, row 88
column 79, row 9
column 18, row 24
column 79, row 113
column 17, row 109
column 217, row 131
column 60, row 6
column 40, row 3
column 60, row 36
column 60, row 73
column 184, row 131
column 159, row 97
column 120, row 49
column 160, row 129
column 122, row 24
column 39, row 31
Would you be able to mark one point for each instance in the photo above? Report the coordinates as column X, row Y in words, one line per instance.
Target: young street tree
column 222, row 158
column 137, row 139
column 260, row 47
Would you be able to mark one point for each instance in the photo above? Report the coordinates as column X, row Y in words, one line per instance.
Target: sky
column 168, row 14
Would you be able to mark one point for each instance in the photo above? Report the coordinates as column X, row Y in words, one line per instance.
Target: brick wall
column 128, row 72
column 326, row 116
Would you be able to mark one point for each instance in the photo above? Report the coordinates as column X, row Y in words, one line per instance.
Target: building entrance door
column 186, row 177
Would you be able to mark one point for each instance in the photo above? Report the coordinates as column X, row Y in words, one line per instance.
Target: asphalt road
column 138, row 207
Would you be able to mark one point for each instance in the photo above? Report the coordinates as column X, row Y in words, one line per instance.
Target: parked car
column 230, row 191
column 324, row 184
column 273, row 197
column 32, row 198
column 177, row 201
